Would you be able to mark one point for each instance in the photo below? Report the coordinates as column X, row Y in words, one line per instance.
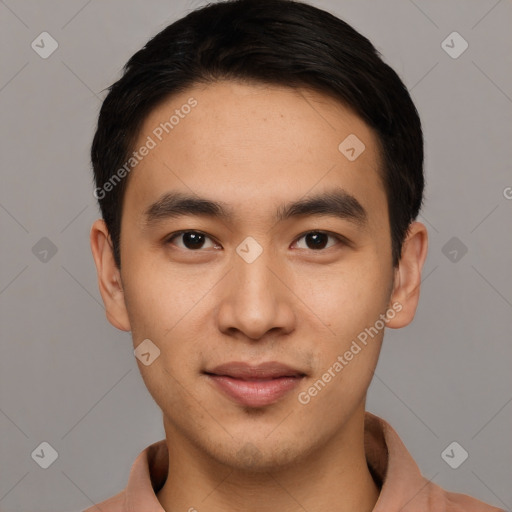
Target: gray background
column 68, row 378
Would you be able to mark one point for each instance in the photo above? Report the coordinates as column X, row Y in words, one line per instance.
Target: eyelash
column 339, row 238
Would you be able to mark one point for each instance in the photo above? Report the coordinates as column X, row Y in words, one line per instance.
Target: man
column 259, row 170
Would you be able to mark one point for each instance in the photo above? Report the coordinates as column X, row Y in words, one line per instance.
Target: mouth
column 255, row 385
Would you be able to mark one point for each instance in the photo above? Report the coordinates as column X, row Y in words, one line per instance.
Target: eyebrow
column 336, row 202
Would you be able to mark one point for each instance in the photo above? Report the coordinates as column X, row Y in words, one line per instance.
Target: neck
column 332, row 478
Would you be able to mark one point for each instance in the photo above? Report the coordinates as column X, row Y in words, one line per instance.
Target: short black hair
column 275, row 42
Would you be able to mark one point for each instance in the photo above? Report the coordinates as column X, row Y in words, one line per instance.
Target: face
column 252, row 280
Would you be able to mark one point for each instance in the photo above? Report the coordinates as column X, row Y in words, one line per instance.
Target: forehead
column 251, row 144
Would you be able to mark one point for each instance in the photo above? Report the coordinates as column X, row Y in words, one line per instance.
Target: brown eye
column 191, row 240
column 317, row 240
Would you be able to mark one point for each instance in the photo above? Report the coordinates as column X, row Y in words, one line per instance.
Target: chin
column 256, row 456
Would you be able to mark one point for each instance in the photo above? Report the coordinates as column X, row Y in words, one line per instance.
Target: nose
column 256, row 299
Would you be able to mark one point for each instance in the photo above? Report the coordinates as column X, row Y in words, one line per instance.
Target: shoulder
column 114, row 504
column 404, row 488
column 438, row 500
column 463, row 503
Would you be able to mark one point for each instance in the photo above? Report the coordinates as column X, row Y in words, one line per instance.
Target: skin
column 255, row 147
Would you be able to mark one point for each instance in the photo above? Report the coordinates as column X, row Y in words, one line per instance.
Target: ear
column 407, row 280
column 109, row 276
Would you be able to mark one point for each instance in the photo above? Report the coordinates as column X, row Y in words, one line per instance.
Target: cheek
column 157, row 298
column 159, row 310
column 169, row 308
column 348, row 298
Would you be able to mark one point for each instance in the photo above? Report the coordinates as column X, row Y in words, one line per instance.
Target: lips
column 255, row 385
column 263, row 371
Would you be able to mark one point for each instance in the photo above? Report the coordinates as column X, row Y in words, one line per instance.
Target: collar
column 403, row 488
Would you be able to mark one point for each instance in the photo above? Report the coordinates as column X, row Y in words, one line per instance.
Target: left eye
column 317, row 240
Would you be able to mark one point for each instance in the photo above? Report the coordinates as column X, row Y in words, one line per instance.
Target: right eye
column 191, row 240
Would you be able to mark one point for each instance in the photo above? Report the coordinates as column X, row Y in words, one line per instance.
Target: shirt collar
column 402, row 486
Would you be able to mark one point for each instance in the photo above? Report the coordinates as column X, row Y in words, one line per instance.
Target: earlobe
column 407, row 280
column 109, row 277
